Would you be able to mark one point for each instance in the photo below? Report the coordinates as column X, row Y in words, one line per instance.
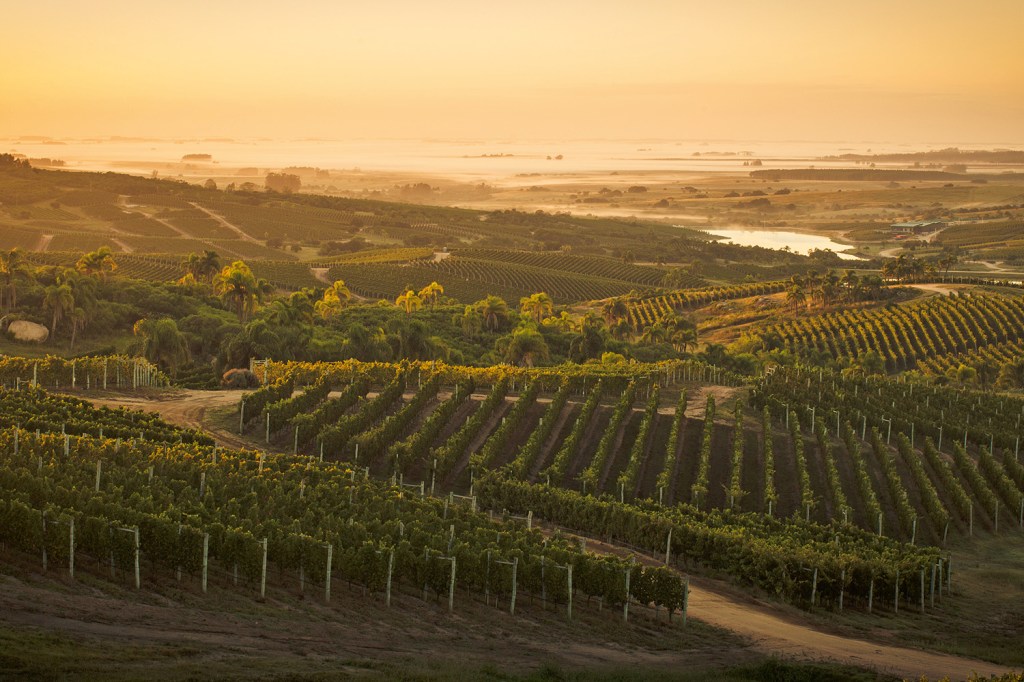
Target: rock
column 28, row 332
column 239, row 378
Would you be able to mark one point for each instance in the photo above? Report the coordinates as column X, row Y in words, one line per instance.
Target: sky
column 909, row 70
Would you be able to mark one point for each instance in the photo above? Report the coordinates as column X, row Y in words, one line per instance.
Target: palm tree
column 795, row 295
column 409, row 300
column 525, row 346
column 78, row 320
column 163, row 344
column 238, row 288
column 98, row 263
column 536, row 306
column 60, row 302
column 613, row 310
column 431, row 293
column 336, row 297
column 494, row 311
column 12, row 266
column 209, row 266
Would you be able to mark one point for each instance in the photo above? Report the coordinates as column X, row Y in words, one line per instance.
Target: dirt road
column 778, row 632
column 186, row 408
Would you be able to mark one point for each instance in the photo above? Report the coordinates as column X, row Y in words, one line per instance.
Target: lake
column 777, row 239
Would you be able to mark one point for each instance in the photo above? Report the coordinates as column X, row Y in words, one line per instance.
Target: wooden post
column 879, row 524
column 99, row 470
column 295, row 445
column 625, row 605
column 814, row 586
column 568, row 579
column 686, row 597
column 896, row 595
column 71, row 548
column 515, row 570
column 263, row 575
column 206, row 559
column 931, row 598
column 44, row 540
column 871, row 593
column 451, row 589
column 913, row 532
column 842, row 589
column 391, row 566
column 922, row 590
column 668, row 546
column 138, row 582
column 949, row 574
column 268, row 427
column 327, row 580
column 241, row 416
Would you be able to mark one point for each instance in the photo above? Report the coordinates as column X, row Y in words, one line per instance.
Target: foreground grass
column 35, row 655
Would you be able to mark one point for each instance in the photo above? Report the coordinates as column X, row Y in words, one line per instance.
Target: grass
column 32, row 654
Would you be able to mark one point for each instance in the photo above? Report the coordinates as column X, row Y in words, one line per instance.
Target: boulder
column 28, row 332
column 239, row 378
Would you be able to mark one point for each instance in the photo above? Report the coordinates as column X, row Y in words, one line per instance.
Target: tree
column 432, row 293
column 494, row 311
column 12, row 268
column 525, row 346
column 409, row 301
column 336, row 297
column 162, row 343
column 210, row 184
column 202, row 268
column 946, row 262
column 536, row 306
column 238, row 288
column 285, row 183
column 78, row 320
column 613, row 310
column 60, row 302
column 99, row 263
column 795, row 295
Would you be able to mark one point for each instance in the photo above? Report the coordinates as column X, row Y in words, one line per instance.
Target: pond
column 798, row 242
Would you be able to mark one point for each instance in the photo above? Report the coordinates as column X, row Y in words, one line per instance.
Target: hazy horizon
column 915, row 72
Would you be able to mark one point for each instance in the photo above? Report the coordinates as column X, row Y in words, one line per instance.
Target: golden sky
column 898, row 70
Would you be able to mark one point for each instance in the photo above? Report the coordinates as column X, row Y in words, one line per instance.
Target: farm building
column 917, row 226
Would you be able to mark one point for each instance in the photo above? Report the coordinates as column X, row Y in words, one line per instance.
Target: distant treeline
column 855, row 174
column 948, row 155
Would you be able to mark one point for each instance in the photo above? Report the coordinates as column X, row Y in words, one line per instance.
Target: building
column 917, row 226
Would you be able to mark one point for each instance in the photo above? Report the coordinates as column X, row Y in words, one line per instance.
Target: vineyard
column 607, row 447
column 224, row 515
column 646, row 311
column 904, row 336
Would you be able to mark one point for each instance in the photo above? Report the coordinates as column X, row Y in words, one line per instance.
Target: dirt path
column 44, row 242
column 944, row 289
column 775, row 631
column 223, row 222
column 186, row 408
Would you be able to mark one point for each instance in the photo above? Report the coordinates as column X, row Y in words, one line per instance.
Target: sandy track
column 778, row 631
column 186, row 408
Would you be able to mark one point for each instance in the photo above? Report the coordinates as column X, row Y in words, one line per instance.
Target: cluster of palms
column 905, row 267
column 70, row 299
column 411, row 300
column 830, row 288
